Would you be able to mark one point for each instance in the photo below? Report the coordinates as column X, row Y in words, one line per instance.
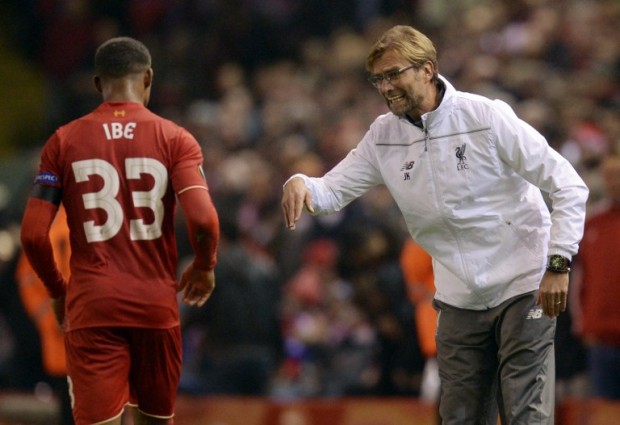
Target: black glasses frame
column 378, row 79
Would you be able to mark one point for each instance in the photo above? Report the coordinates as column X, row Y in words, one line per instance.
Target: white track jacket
column 469, row 187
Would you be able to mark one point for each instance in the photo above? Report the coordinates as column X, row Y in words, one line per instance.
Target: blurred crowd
column 274, row 87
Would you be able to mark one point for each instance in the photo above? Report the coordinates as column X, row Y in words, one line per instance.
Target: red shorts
column 109, row 368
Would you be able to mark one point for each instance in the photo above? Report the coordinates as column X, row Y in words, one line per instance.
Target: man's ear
column 429, row 70
column 97, row 81
column 148, row 78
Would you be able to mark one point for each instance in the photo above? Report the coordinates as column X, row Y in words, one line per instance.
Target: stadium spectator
column 417, row 268
column 234, row 345
column 37, row 303
column 467, row 174
column 597, row 319
column 118, row 172
column 371, row 265
column 329, row 342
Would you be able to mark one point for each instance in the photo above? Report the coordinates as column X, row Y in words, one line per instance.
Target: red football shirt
column 600, row 289
column 118, row 168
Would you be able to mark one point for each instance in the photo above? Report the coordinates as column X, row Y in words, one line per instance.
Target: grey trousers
column 496, row 361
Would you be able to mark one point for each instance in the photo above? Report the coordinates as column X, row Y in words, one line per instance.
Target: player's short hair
column 121, row 56
column 408, row 42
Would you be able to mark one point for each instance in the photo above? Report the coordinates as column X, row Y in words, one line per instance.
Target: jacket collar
column 446, row 100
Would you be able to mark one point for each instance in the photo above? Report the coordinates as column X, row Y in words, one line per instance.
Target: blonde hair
column 408, row 42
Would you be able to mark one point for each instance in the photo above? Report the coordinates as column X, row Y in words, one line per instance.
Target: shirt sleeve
column 49, row 173
column 37, row 245
column 189, row 183
column 202, row 226
column 188, row 156
column 39, row 215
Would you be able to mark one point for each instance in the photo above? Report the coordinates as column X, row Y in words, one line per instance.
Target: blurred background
column 273, row 87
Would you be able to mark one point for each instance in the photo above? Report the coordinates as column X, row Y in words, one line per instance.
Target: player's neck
column 123, row 91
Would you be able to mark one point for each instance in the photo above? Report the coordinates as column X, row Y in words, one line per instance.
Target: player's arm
column 189, row 183
column 198, row 280
column 36, row 222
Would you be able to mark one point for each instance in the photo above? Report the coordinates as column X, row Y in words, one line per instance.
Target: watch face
column 558, row 262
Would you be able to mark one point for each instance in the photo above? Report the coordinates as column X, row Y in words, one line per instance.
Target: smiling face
column 413, row 93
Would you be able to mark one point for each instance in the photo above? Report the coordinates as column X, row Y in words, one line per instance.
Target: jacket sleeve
column 347, row 181
column 529, row 155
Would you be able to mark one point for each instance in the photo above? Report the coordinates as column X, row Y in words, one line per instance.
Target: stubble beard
column 404, row 105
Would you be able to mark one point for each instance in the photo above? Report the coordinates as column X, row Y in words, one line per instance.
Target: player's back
column 116, row 166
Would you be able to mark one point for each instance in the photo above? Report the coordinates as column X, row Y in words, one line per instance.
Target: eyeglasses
column 377, row 80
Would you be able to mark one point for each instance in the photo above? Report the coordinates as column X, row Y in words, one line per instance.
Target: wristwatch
column 558, row 264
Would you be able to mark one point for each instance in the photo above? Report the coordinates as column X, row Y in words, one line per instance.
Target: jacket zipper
column 440, row 205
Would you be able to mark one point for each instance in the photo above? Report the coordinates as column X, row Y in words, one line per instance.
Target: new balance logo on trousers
column 534, row 313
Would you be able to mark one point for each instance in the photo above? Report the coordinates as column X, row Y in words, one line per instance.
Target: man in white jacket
column 467, row 175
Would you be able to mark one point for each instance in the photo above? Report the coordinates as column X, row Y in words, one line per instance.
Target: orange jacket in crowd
column 37, row 301
column 417, row 269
